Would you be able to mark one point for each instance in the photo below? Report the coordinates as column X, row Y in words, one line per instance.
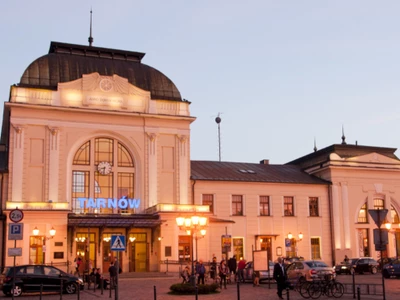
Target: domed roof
column 67, row 62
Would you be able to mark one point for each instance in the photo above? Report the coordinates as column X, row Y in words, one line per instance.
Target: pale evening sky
column 281, row 73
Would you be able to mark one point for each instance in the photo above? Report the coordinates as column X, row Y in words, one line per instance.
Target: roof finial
column 343, row 137
column 315, row 145
column 218, row 121
column 90, row 39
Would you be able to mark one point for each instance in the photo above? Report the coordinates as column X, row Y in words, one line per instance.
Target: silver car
column 308, row 270
column 264, row 275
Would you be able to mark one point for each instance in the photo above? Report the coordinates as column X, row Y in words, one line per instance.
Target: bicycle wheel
column 303, row 289
column 337, row 289
column 315, row 290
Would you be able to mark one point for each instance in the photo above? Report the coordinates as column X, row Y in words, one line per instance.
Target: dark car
column 264, row 275
column 391, row 269
column 358, row 265
column 31, row 278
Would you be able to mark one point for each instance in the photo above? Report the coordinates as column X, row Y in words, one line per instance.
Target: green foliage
column 188, row 289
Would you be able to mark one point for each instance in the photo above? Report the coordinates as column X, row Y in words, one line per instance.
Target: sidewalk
column 146, row 288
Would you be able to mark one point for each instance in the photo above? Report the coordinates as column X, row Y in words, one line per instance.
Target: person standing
column 113, row 275
column 223, row 271
column 256, row 281
column 280, row 276
column 232, row 265
column 241, row 265
column 213, row 268
column 200, row 271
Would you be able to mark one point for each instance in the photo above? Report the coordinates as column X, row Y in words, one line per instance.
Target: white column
column 336, row 216
column 183, row 169
column 345, row 214
column 17, row 164
column 54, row 158
column 152, row 167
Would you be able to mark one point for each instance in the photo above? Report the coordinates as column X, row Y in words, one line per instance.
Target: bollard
column 238, row 289
column 358, row 293
column 79, row 291
column 111, row 286
column 197, row 292
column 167, row 265
column 155, row 293
column 101, row 285
column 41, row 291
column 61, row 288
column 354, row 284
column 287, row 293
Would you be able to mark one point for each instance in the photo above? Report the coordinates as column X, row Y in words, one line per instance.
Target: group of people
column 224, row 270
column 95, row 275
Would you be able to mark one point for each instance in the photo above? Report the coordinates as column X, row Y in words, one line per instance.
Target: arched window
column 103, row 168
column 394, row 215
column 363, row 214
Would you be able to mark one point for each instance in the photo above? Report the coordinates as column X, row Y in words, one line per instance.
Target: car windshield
column 316, row 264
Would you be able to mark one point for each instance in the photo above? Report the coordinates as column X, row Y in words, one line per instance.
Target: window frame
column 264, row 208
column 237, row 202
column 313, row 207
column 288, row 206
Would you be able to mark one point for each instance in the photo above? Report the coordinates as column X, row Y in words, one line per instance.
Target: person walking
column 223, row 271
column 113, row 275
column 280, row 276
column 240, row 271
column 200, row 271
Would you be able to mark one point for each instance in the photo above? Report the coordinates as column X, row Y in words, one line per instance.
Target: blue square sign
column 117, row 243
column 15, row 231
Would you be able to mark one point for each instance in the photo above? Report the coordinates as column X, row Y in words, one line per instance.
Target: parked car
column 386, row 260
column 358, row 265
column 391, row 269
column 308, row 270
column 264, row 275
column 30, row 278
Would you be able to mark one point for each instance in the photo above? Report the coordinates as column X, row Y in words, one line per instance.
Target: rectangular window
column 237, row 205
column 264, row 205
column 315, row 248
column 313, row 204
column 125, row 189
column 208, row 199
column 379, row 203
column 80, row 189
column 288, row 206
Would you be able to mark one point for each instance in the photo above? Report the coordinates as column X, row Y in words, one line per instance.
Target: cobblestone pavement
column 158, row 288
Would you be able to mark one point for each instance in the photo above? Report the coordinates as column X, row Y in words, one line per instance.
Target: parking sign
column 15, row 231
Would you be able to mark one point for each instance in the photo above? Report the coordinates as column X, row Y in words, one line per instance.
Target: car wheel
column 373, row 270
column 70, row 288
column 17, row 291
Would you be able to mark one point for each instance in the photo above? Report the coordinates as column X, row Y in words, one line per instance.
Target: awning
column 128, row 221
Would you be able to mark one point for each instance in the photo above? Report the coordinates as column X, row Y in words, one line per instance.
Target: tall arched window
column 102, row 168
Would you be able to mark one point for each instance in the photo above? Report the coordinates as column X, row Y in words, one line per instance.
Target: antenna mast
column 90, row 39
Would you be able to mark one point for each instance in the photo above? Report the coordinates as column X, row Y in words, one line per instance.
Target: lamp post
column 193, row 225
column 300, row 238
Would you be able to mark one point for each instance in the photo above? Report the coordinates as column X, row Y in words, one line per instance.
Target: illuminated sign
column 122, row 203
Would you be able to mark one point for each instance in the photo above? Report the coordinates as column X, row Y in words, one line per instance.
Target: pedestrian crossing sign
column 117, row 243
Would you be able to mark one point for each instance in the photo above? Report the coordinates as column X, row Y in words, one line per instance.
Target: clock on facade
column 104, row 168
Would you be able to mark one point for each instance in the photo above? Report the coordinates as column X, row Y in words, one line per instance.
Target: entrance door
column 138, row 262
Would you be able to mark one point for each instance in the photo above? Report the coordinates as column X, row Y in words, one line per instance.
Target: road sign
column 15, row 251
column 16, row 215
column 15, row 231
column 379, row 247
column 378, row 215
column 117, row 243
column 381, row 236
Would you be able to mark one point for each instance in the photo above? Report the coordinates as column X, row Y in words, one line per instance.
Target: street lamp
column 52, row 231
column 300, row 238
column 193, row 226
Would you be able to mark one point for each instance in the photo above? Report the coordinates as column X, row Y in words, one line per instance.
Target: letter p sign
column 15, row 231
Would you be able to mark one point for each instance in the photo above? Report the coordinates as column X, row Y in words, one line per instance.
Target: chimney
column 264, row 162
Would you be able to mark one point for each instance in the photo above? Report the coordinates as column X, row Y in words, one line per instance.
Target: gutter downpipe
column 331, row 225
column 193, row 184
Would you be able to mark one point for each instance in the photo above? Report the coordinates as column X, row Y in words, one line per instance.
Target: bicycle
column 329, row 287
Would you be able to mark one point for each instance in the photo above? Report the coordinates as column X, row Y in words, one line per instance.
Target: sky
column 282, row 75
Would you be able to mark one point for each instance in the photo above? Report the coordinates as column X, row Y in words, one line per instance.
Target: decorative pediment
column 369, row 158
column 104, row 92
